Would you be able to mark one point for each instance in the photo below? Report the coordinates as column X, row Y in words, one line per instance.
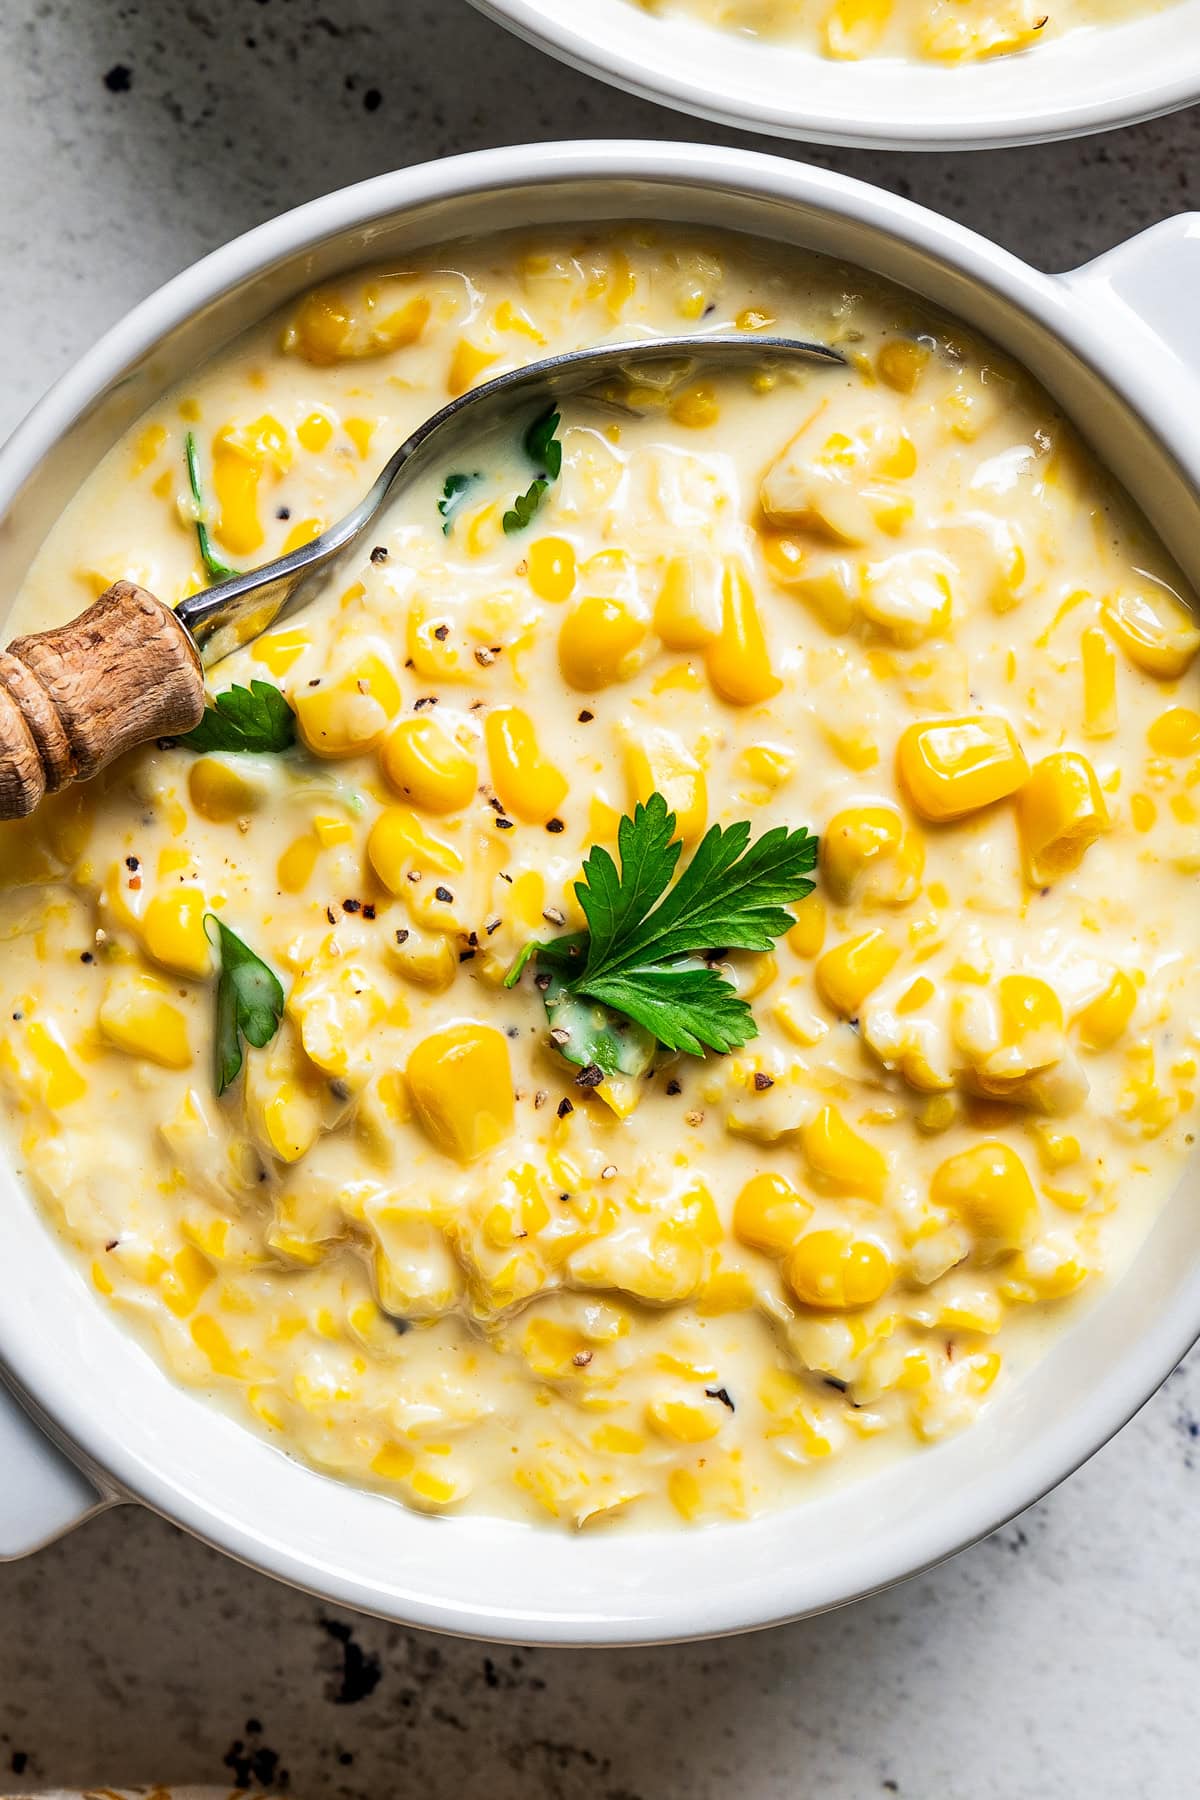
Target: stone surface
column 1060, row 1658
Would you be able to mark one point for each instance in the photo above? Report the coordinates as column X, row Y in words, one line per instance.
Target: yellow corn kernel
column 1027, row 1004
column 599, row 642
column 989, row 1189
column 808, row 933
column 302, row 532
column 660, row 762
column 423, row 762
column 1060, row 814
column 739, row 661
column 525, row 782
column 853, row 969
column 767, row 764
column 868, row 854
column 427, row 962
column 280, row 649
column 325, row 329
column 914, row 997
column 840, row 1158
column 346, row 716
column 241, row 454
column 467, row 365
column 682, row 1422
column 184, row 1282
column 145, row 450
column 314, row 431
column 831, row 589
column 687, row 613
column 295, row 866
column 695, row 408
column 1176, row 732
column 551, row 568
column 854, row 27
column 173, row 932
column 461, row 1088
column 221, row 792
column 137, row 1017
column 901, row 363
column 398, row 842
column 837, row 1271
column 949, row 767
column 1155, row 630
column 1099, row 683
column 1103, row 1019
column 291, row 1122
column 360, row 432
column 769, row 1214
column 393, row 1462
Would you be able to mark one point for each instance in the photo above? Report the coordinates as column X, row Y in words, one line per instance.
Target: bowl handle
column 42, row 1493
column 1150, row 287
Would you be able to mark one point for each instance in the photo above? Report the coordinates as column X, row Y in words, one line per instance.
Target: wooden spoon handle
column 72, row 699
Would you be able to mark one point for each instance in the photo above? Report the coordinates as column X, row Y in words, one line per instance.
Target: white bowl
column 1089, row 80
column 1112, row 343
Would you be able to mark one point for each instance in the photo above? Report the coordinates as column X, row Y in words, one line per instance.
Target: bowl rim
column 628, row 59
column 49, row 1376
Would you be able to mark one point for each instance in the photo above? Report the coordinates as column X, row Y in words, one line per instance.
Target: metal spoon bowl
column 234, row 611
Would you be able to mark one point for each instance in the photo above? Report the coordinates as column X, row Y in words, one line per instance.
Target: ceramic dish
column 1109, row 344
column 1088, row 80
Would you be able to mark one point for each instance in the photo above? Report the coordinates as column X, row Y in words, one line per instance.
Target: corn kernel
column 687, row 613
column 1154, row 629
column 901, row 363
column 1176, row 732
column 137, row 1017
column 467, row 364
column 423, row 762
column 681, row 1422
column 346, row 716
column 854, row 27
column 659, row 762
column 696, row 408
column 398, row 842
column 551, row 568
column 461, row 1088
column 808, row 933
column 173, row 932
column 526, row 783
column 950, row 767
column 769, row 1214
column 867, row 854
column 837, row 1271
column 598, row 643
column 840, row 1158
column 739, row 660
column 1099, row 683
column 220, row 792
column 296, row 864
column 988, row 1188
column 853, row 969
column 1104, row 1019
column 1060, row 814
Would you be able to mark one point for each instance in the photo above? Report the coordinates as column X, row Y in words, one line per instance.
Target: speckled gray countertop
column 1059, row 1659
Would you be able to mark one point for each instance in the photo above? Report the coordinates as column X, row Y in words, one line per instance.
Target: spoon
column 130, row 669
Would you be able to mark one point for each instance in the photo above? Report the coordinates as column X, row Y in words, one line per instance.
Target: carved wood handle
column 72, row 699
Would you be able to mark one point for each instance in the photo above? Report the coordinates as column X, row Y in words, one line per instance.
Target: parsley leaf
column 542, row 447
column 253, row 718
column 640, row 957
column 218, row 570
column 545, row 453
column 453, row 494
column 249, row 1002
column 524, row 506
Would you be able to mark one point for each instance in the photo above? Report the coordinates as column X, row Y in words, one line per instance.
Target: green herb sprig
column 642, row 958
column 217, row 570
column 544, row 451
column 454, row 492
column 253, row 718
column 249, row 1001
